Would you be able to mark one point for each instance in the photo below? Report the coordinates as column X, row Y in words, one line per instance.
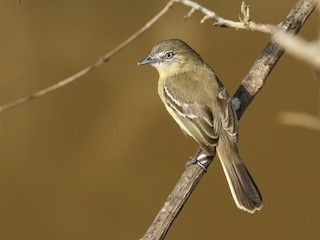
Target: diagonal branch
column 249, row 87
column 91, row 67
column 245, row 23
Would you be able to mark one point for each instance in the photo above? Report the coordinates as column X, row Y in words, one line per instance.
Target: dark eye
column 169, row 55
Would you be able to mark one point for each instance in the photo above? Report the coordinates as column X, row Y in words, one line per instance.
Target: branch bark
column 250, row 86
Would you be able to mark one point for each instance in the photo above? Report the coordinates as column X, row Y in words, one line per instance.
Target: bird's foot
column 201, row 159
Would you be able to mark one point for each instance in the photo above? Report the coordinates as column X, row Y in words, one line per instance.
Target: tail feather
column 243, row 189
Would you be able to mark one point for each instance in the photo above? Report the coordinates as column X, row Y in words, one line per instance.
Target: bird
column 201, row 106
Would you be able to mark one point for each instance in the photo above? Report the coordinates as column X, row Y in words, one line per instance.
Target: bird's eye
column 169, row 55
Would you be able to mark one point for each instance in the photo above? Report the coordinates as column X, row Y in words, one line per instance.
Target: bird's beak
column 148, row 60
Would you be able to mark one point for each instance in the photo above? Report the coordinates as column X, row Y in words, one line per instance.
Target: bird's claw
column 200, row 160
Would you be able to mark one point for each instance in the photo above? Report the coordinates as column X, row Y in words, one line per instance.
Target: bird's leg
column 194, row 159
column 201, row 158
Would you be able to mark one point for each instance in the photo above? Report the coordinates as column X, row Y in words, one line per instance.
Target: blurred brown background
column 97, row 158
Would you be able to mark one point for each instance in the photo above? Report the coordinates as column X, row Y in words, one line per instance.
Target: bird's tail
column 244, row 191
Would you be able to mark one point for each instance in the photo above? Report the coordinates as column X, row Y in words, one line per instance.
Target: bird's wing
column 195, row 119
column 229, row 119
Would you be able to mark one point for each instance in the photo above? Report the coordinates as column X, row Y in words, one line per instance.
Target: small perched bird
column 199, row 103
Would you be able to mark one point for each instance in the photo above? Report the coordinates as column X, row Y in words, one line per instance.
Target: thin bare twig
column 91, row 67
column 245, row 21
column 248, row 89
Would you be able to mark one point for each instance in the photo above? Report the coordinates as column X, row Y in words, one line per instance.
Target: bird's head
column 172, row 56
